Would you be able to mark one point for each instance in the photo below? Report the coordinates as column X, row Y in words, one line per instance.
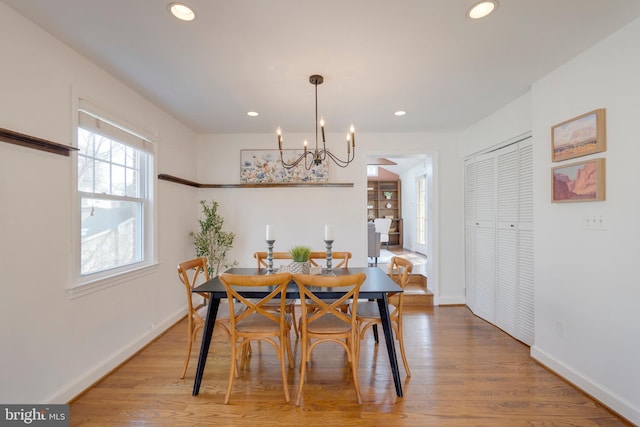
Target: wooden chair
column 192, row 273
column 338, row 259
column 261, row 258
column 257, row 322
column 327, row 323
column 368, row 313
column 290, row 306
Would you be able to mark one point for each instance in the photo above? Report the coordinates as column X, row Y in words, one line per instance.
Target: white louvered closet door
column 526, row 297
column 470, row 231
column 507, row 239
column 499, row 238
column 485, row 259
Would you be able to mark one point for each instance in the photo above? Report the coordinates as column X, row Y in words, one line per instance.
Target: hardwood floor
column 465, row 372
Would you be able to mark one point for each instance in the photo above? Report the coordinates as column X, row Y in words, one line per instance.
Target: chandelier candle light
column 317, row 156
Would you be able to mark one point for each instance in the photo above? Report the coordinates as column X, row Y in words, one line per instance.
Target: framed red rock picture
column 578, row 182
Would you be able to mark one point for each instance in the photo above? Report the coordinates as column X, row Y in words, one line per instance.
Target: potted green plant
column 211, row 241
column 300, row 256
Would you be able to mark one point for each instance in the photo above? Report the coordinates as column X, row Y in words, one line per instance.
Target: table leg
column 209, row 323
column 383, row 306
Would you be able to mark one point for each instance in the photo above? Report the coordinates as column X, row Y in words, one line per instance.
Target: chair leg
column 404, row 356
column 375, row 332
column 289, row 351
column 292, row 310
column 186, row 359
column 232, row 369
column 303, row 368
column 285, row 347
column 353, row 349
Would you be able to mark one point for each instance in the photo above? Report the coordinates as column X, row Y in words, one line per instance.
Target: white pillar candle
column 328, row 232
column 270, row 234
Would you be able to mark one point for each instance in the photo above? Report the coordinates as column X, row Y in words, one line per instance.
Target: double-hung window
column 115, row 170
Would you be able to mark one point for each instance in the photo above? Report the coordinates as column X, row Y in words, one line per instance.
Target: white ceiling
column 423, row 56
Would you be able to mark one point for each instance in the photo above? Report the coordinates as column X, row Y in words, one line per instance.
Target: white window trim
column 85, row 285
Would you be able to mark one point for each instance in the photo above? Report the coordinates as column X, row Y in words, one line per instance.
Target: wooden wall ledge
column 170, row 178
column 13, row 137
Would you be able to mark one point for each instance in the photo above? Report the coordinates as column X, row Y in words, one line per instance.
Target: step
column 418, row 298
column 416, row 293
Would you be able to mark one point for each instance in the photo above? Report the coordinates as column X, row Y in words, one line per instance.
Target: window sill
column 88, row 288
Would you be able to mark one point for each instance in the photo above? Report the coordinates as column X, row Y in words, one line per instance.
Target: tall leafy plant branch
column 211, row 242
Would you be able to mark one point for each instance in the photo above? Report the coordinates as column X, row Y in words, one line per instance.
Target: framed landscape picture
column 265, row 167
column 579, row 136
column 578, row 182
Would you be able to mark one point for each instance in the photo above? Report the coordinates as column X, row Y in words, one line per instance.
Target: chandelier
column 317, row 156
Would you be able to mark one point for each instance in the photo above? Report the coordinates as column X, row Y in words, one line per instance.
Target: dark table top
column 376, row 284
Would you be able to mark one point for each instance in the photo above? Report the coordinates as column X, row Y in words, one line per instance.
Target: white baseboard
column 80, row 384
column 614, row 402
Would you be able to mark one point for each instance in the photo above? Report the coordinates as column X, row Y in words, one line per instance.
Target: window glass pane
column 85, row 174
column 103, row 179
column 420, row 210
column 103, row 148
column 132, row 183
column 132, row 157
column 117, row 153
column 85, row 142
column 111, row 234
column 117, row 180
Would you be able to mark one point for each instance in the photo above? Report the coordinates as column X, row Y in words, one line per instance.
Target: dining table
column 377, row 286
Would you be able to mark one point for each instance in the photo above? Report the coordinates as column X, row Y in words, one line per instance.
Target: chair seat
column 370, row 309
column 328, row 324
column 260, row 324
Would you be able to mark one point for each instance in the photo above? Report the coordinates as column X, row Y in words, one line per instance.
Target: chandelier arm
column 340, row 162
column 296, row 162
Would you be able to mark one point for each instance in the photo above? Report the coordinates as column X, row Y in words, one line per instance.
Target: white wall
column 585, row 278
column 53, row 347
column 299, row 214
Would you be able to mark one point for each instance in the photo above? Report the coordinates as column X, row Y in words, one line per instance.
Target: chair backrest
column 338, row 259
column 191, row 274
column 261, row 257
column 351, row 285
column 399, row 271
column 278, row 282
column 382, row 225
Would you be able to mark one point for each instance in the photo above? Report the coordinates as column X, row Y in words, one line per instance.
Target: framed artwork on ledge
column 578, row 182
column 579, row 136
column 265, row 167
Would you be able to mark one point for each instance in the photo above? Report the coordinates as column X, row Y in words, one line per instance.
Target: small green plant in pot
column 300, row 256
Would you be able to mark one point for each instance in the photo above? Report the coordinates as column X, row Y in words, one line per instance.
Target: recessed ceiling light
column 253, row 114
column 482, row 9
column 400, row 113
column 182, row 11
